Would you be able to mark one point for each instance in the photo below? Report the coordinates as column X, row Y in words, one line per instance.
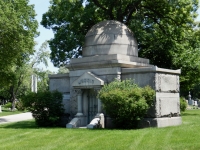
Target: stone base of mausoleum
column 160, row 122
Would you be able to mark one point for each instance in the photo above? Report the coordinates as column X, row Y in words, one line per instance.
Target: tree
column 17, row 31
column 63, row 70
column 41, row 57
column 165, row 30
column 43, row 80
column 20, row 83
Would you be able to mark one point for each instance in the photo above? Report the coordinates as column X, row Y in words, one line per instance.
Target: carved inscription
column 86, row 81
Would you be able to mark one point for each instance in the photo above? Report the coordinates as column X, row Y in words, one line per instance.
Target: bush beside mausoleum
column 46, row 107
column 126, row 103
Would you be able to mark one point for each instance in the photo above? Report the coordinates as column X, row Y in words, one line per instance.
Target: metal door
column 92, row 104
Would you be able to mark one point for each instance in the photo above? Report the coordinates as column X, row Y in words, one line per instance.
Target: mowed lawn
column 27, row 136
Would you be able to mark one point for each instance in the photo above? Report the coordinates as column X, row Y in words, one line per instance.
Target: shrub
column 125, row 102
column 8, row 105
column 183, row 104
column 19, row 105
column 46, row 107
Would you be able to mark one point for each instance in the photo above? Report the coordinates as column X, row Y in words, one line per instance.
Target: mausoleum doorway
column 92, row 104
column 89, row 106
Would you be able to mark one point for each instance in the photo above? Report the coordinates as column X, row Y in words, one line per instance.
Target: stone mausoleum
column 110, row 51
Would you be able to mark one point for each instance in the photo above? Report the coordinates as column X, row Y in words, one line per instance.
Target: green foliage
column 46, row 107
column 125, row 102
column 17, row 31
column 20, row 82
column 40, row 56
column 195, row 92
column 18, row 28
column 20, row 106
column 8, row 105
column 183, row 104
column 43, row 80
column 63, row 70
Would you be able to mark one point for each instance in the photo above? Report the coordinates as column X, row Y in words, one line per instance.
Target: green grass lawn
column 6, row 112
column 27, row 136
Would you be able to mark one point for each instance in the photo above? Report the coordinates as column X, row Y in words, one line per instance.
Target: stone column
column 99, row 109
column 99, row 106
column 80, row 103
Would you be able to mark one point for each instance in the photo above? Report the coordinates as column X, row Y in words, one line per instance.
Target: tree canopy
column 20, row 83
column 165, row 30
column 17, row 31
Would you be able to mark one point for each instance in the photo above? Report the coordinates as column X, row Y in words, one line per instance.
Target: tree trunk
column 13, row 103
column 13, row 97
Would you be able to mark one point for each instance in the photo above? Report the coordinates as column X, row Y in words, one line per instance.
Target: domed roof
column 110, row 37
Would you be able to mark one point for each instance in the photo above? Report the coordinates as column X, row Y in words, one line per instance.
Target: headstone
column 0, row 109
column 195, row 103
column 190, row 101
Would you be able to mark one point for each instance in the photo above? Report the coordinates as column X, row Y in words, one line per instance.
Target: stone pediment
column 88, row 80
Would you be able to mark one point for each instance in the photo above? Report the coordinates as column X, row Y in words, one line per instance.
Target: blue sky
column 41, row 6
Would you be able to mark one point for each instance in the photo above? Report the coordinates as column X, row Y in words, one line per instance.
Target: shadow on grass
column 15, row 111
column 20, row 125
column 6, row 110
column 30, row 124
